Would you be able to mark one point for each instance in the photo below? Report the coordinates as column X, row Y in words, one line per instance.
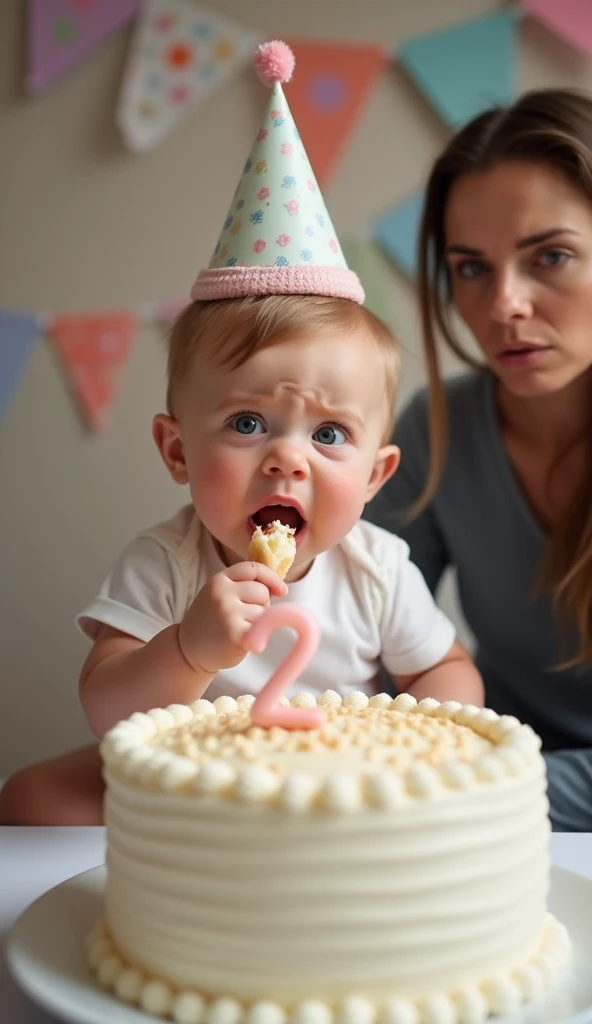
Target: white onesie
column 371, row 602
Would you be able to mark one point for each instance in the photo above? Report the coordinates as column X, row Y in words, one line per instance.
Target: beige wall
column 85, row 224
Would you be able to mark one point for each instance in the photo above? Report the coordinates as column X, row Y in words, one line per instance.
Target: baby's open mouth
column 287, row 514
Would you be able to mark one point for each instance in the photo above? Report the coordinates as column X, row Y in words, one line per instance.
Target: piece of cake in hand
column 274, row 546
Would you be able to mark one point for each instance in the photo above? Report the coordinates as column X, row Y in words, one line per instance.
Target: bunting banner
column 397, row 234
column 94, row 350
column 571, row 20
column 328, row 95
column 180, row 54
column 365, row 258
column 18, row 336
column 62, row 33
column 466, row 68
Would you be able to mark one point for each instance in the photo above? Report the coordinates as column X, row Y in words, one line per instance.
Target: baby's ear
column 167, row 437
column 386, row 463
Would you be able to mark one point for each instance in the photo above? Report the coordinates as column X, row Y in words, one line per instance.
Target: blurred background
column 112, row 198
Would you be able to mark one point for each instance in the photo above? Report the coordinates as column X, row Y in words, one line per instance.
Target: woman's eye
column 469, row 269
column 553, row 258
column 247, row 424
column 329, row 435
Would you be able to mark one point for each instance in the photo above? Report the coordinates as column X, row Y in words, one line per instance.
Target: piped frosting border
column 128, row 754
column 501, row 994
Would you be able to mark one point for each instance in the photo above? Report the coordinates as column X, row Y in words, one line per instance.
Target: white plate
column 46, row 954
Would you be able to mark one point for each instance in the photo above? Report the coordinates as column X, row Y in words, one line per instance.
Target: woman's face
column 519, row 251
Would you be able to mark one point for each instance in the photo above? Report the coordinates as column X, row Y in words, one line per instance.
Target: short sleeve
column 425, row 539
column 142, row 595
column 415, row 633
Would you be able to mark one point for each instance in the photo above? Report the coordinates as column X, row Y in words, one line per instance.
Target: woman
column 496, row 474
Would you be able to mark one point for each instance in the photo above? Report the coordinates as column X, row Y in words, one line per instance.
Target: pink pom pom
column 274, row 62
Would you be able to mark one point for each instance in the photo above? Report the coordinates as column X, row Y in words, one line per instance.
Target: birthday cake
column 390, row 865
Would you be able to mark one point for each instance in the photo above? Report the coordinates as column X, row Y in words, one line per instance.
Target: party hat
column 277, row 238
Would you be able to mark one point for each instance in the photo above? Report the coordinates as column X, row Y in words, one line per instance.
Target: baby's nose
column 286, row 459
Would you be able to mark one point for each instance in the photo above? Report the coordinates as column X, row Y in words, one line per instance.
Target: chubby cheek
column 341, row 500
column 215, row 483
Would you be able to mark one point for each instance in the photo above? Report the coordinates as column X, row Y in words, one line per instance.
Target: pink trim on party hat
column 238, row 282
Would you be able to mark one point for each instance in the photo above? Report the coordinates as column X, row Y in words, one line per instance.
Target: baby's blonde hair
column 235, row 329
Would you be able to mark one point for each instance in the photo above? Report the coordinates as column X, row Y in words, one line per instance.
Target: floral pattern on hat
column 283, row 220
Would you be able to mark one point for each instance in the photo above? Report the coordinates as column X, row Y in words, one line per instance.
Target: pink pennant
column 332, row 84
column 64, row 32
column 571, row 20
column 94, row 349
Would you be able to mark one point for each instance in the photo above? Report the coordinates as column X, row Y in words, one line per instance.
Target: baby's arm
column 122, row 674
column 454, row 677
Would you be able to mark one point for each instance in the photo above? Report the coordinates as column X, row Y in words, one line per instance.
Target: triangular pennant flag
column 365, row 258
column 327, row 95
column 18, row 334
column 570, row 19
column 397, row 234
column 180, row 54
column 64, row 32
column 94, row 350
column 466, row 68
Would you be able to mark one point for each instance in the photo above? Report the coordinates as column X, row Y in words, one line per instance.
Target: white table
column 33, row 860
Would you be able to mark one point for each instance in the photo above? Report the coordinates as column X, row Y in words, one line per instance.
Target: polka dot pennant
column 62, row 33
column 180, row 54
column 328, row 94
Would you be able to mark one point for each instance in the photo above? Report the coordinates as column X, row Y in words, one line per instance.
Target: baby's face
column 294, row 434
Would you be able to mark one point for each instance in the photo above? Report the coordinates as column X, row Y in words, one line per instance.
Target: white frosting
column 188, row 1008
column 468, row 891
column 356, row 700
column 303, row 700
column 225, row 705
column 472, row 1006
column 476, row 747
column 388, row 868
column 223, row 1011
column 381, row 700
column 499, row 994
column 330, row 699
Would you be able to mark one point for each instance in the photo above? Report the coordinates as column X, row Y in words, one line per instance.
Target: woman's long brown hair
column 551, row 127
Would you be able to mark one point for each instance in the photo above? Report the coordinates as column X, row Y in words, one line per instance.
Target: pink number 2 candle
column 266, row 711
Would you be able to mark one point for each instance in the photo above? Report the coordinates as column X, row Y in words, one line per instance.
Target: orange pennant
column 94, row 349
column 327, row 95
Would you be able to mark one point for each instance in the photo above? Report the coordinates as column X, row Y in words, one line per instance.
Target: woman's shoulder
column 467, row 397
column 461, row 392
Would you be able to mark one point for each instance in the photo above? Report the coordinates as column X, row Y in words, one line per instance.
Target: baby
column 281, row 390
column 279, row 408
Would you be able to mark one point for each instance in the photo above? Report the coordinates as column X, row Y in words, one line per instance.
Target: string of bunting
column 180, row 54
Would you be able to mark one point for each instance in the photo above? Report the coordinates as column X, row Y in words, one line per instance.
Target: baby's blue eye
column 329, row 435
column 247, row 424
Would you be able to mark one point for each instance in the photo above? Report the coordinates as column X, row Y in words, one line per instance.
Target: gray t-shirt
column 480, row 522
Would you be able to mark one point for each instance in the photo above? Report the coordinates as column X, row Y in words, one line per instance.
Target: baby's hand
column 211, row 634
